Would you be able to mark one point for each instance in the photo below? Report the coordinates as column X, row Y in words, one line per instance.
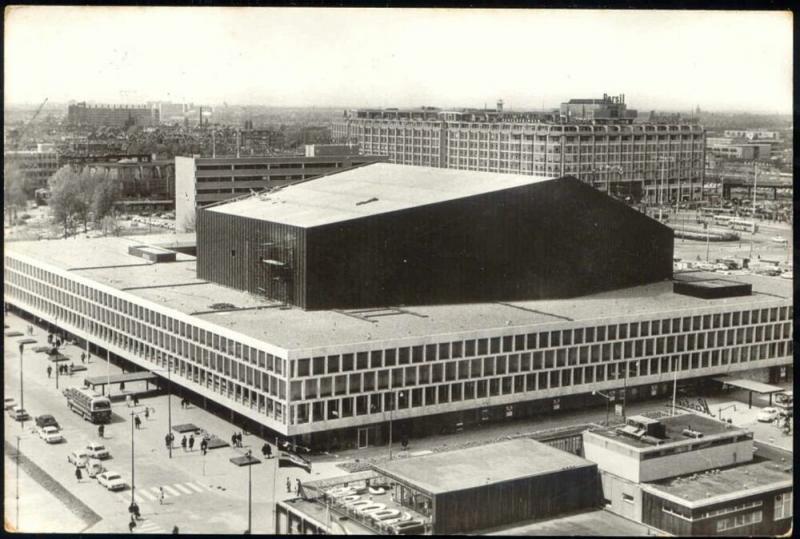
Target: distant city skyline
column 340, row 58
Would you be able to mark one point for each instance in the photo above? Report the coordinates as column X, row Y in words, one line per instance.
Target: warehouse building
column 81, row 114
column 200, row 181
column 455, row 492
column 691, row 475
column 389, row 234
column 594, row 140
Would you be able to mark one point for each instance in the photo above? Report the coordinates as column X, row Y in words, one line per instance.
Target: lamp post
column 133, row 468
column 169, row 402
column 249, row 494
column 607, row 398
column 391, row 409
column 755, row 182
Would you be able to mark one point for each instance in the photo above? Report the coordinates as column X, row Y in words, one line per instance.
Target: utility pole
column 755, row 183
column 17, row 522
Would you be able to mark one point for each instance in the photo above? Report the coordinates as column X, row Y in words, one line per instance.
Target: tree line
column 78, row 196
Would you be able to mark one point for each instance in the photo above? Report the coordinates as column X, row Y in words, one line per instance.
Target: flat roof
column 483, row 465
column 175, row 286
column 674, row 427
column 118, row 378
column 597, row 522
column 750, row 385
column 770, row 469
column 369, row 190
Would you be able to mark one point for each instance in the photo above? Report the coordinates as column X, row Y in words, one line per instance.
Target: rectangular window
column 783, row 506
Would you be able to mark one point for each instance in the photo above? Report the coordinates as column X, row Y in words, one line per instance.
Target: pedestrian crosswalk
column 152, row 494
column 148, row 526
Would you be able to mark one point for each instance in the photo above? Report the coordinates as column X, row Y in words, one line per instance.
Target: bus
column 784, row 402
column 722, row 220
column 747, row 226
column 89, row 405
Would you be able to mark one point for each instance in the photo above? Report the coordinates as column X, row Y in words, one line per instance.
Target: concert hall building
column 437, row 297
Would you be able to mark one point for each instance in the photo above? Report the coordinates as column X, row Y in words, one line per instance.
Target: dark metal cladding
column 551, row 239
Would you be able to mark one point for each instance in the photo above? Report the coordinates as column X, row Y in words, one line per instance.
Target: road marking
column 171, row 491
column 182, row 488
column 149, row 527
column 147, row 495
column 195, row 487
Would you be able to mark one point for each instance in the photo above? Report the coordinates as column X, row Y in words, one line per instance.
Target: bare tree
column 71, row 195
column 13, row 190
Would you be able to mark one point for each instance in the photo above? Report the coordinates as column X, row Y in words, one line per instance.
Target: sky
column 377, row 57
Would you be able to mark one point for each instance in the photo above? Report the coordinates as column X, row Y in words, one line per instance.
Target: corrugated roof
column 369, row 190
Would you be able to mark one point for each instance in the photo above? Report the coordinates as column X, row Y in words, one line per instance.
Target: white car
column 111, row 480
column 78, row 458
column 97, row 451
column 50, row 434
column 768, row 415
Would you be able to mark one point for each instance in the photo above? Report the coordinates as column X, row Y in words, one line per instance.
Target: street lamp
column 608, row 399
column 391, row 409
column 169, row 402
column 249, row 460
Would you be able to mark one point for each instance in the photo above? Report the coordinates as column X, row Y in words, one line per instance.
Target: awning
column 117, row 378
column 750, row 385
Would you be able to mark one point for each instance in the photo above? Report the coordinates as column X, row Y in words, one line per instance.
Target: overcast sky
column 399, row 57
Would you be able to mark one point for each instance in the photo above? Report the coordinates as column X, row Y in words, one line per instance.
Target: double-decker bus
column 747, row 226
column 89, row 405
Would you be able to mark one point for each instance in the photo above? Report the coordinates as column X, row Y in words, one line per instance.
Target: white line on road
column 147, row 495
column 182, row 488
column 171, row 491
column 195, row 487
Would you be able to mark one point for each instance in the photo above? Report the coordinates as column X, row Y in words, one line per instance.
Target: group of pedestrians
column 297, row 488
column 188, row 442
column 236, row 439
column 62, row 369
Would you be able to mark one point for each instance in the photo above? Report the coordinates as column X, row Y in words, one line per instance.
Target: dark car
column 47, row 420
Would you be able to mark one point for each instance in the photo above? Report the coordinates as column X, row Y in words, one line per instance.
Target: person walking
column 175, row 530
column 288, row 485
column 78, row 474
column 233, row 440
column 161, row 495
column 298, row 487
column 101, row 430
column 183, row 442
column 49, row 371
column 83, row 357
column 204, row 446
column 131, row 524
column 137, row 422
column 147, row 412
column 265, row 449
column 191, row 442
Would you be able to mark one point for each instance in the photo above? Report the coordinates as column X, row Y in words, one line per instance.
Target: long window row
column 216, row 362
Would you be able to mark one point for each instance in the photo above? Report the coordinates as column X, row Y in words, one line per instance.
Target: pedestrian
column 135, row 400
column 122, row 386
column 49, row 338
column 78, row 474
column 168, row 440
column 269, row 451
column 138, row 422
column 131, row 524
column 191, row 442
column 233, row 440
column 298, row 487
column 265, row 449
column 71, row 368
column 147, row 412
column 83, row 357
column 175, row 530
column 204, row 447
column 183, row 442
column 49, row 371
column 288, row 485
column 128, row 401
column 101, row 430
column 161, row 495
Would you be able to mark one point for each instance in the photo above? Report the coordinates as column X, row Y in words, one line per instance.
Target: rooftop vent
column 362, row 202
column 689, row 433
column 712, row 288
column 152, row 254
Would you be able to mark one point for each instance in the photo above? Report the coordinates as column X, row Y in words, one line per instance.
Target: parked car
column 768, row 415
column 50, row 434
column 79, row 457
column 47, row 420
column 111, row 480
column 18, row 413
column 94, row 467
column 8, row 403
column 97, row 451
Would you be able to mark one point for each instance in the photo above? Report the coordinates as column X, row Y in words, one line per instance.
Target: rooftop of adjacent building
column 674, row 427
column 476, row 467
column 375, row 189
column 771, row 468
column 594, row 522
column 272, row 159
column 175, row 286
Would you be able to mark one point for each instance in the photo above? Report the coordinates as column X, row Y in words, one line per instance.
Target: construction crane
column 24, row 128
